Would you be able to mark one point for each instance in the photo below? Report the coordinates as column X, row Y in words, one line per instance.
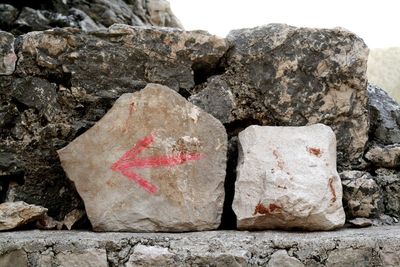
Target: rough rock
column 386, row 157
column 217, row 99
column 385, row 116
column 361, row 222
column 61, row 87
column 287, row 179
column 389, row 181
column 7, row 55
column 72, row 218
column 88, row 257
column 281, row 259
column 362, row 197
column 15, row 214
column 350, row 257
column 150, row 256
column 17, row 258
column 217, row 248
column 286, row 76
column 25, row 16
column 177, row 181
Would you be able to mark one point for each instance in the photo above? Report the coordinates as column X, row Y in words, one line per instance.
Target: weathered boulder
column 386, row 157
column 15, row 214
column 385, row 116
column 25, row 16
column 362, row 196
column 287, row 179
column 7, row 55
column 154, row 162
column 61, row 87
column 389, row 181
column 286, row 76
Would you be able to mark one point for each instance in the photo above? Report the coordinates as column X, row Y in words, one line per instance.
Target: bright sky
column 377, row 22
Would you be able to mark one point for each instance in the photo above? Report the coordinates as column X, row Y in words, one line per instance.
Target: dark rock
column 8, row 14
column 362, row 196
column 385, row 116
column 7, row 55
column 25, row 16
column 287, row 76
column 36, row 93
column 389, row 181
column 216, row 99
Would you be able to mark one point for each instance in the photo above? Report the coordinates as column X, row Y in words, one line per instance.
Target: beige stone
column 88, row 257
column 15, row 258
column 287, row 178
column 154, row 162
column 15, row 214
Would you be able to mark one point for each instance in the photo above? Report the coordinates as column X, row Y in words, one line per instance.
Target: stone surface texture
column 176, row 180
column 15, row 214
column 286, row 76
column 373, row 246
column 389, row 180
column 65, row 81
column 385, row 116
column 386, row 157
column 24, row 16
column 287, row 179
column 362, row 196
column 7, row 55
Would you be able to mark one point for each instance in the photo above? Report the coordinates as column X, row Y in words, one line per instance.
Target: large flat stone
column 287, row 179
column 154, row 162
column 373, row 246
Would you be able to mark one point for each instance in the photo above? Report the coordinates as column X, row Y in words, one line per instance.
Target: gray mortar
column 375, row 246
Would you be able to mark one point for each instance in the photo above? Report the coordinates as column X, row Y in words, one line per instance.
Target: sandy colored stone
column 281, row 258
column 287, row 179
column 150, row 256
column 88, row 257
column 14, row 258
column 181, row 185
column 386, row 157
column 15, row 214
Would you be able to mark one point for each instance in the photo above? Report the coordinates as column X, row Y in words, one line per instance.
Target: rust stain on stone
column 261, row 209
column 279, row 159
column 332, row 188
column 314, row 151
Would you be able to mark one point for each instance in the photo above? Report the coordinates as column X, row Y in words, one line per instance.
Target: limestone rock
column 362, row 196
column 150, row 256
column 286, row 76
column 385, row 116
column 386, row 157
column 87, row 257
column 389, row 181
column 177, row 181
column 7, row 55
column 16, row 258
column 287, row 179
column 15, row 214
column 27, row 16
column 349, row 257
column 361, row 222
column 62, row 87
column 281, row 259
column 216, row 99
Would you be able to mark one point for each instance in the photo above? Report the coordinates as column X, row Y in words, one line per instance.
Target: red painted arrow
column 129, row 161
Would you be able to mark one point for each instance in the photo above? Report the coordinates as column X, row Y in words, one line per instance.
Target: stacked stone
column 156, row 162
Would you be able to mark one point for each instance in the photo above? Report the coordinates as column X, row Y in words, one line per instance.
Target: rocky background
column 56, row 84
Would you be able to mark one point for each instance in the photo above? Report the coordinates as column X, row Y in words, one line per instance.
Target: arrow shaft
column 158, row 161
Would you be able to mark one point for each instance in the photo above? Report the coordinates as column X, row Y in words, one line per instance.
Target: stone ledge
column 374, row 246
